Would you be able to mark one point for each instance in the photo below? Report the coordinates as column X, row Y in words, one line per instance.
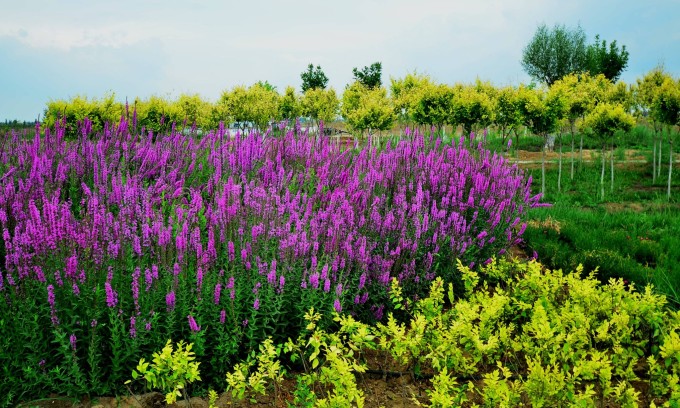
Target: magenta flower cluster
column 238, row 220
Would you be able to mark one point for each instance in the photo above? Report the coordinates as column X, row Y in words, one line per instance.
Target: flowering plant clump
column 225, row 240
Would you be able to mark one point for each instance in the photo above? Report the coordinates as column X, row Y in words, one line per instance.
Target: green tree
column 320, row 104
column 471, row 108
column 370, row 77
column 610, row 61
column 313, row 78
column 435, row 106
column 542, row 112
column 644, row 96
column 256, row 105
column 604, row 122
column 508, row 115
column 406, row 93
column 553, row 53
column 192, row 110
column 576, row 89
column 367, row 108
column 666, row 110
column 290, row 106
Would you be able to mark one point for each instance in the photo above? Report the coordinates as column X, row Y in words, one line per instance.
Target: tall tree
column 370, row 76
column 607, row 61
column 554, row 53
column 313, row 78
column 644, row 95
column 666, row 109
column 542, row 112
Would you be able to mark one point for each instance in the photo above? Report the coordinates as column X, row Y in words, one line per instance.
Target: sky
column 137, row 48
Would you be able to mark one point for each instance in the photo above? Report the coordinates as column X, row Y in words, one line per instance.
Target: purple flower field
column 118, row 241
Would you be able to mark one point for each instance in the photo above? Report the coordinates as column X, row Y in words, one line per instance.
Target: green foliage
column 257, row 104
column 647, row 89
column 370, row 76
column 290, row 106
column 75, row 110
column 406, row 93
column 507, row 113
column 666, row 104
column 538, row 335
column 435, row 106
column 242, row 382
column 607, row 61
column 171, row 371
column 329, row 360
column 553, row 53
column 320, row 104
column 606, row 119
column 313, row 78
column 471, row 108
column 367, row 108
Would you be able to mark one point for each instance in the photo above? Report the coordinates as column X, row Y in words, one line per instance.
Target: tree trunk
column 559, row 167
column 580, row 152
column 670, row 165
column 658, row 167
column 602, row 176
column 611, row 168
column 543, row 171
column 572, row 150
column 654, row 157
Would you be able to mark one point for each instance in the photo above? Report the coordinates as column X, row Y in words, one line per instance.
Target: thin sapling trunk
column 572, row 150
column 559, row 167
column 602, row 174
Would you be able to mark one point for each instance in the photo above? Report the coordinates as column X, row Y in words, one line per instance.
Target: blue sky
column 59, row 49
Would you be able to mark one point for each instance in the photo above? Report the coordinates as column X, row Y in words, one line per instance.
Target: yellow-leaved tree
column 473, row 108
column 666, row 110
column 320, row 104
column 367, row 109
column 406, row 93
column 542, row 112
column 604, row 122
column 253, row 106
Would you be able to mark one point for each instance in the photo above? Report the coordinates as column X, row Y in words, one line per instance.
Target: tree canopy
column 553, row 53
column 607, row 61
column 313, row 78
column 370, row 76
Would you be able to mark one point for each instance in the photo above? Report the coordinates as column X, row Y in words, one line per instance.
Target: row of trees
column 592, row 104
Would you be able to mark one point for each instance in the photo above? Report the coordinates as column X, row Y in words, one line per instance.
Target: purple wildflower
column 133, row 327
column 193, row 325
column 223, row 316
column 256, row 304
column 218, row 291
column 170, row 300
column 337, row 305
column 111, row 295
column 314, row 280
column 72, row 340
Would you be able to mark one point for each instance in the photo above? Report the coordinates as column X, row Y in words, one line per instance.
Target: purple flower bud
column 256, row 304
column 72, row 340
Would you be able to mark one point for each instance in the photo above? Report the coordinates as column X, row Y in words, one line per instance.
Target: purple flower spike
column 193, row 325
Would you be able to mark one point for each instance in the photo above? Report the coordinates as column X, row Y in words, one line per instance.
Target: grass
column 633, row 233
